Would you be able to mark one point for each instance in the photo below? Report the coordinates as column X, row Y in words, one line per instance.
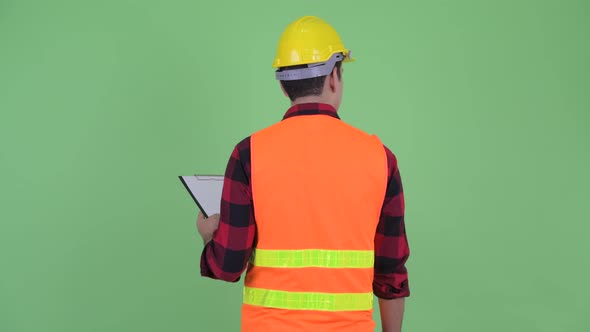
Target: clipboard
column 206, row 191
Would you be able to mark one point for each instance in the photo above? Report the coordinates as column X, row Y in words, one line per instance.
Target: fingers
column 214, row 219
column 207, row 226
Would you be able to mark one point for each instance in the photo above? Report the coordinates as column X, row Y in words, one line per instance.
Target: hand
column 207, row 226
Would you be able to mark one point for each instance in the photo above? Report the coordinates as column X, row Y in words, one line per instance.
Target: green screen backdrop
column 104, row 103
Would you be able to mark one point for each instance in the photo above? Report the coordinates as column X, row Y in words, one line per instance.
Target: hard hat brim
column 312, row 70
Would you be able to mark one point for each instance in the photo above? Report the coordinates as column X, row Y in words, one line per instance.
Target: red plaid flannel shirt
column 226, row 256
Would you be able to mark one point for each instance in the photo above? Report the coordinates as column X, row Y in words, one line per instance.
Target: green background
column 104, row 103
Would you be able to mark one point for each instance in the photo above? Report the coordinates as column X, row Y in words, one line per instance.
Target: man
column 311, row 206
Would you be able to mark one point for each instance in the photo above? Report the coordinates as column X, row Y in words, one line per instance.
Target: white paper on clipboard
column 206, row 191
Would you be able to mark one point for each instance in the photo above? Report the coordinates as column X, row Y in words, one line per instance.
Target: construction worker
column 312, row 207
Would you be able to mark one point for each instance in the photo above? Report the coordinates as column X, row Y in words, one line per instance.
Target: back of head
column 308, row 51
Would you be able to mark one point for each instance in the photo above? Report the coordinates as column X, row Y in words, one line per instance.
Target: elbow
column 225, row 265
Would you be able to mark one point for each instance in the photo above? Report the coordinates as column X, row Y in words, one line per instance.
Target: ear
column 332, row 79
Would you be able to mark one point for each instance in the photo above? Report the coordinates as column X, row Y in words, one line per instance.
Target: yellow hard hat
column 309, row 40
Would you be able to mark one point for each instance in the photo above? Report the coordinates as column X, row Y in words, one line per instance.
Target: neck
column 312, row 99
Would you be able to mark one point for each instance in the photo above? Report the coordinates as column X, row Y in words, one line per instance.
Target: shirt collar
column 311, row 109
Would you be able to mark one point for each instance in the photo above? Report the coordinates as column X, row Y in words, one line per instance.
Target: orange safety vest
column 318, row 187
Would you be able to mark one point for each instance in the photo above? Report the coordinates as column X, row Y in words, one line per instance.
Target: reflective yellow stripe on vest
column 313, row 258
column 322, row 258
column 308, row 301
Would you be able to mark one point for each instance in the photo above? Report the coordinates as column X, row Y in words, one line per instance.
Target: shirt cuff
column 391, row 287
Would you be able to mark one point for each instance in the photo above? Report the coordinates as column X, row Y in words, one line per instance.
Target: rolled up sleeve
column 226, row 256
column 391, row 243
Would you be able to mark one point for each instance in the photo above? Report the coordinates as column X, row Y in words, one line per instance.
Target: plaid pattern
column 226, row 256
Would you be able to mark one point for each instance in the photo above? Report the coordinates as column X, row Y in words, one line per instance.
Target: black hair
column 306, row 87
